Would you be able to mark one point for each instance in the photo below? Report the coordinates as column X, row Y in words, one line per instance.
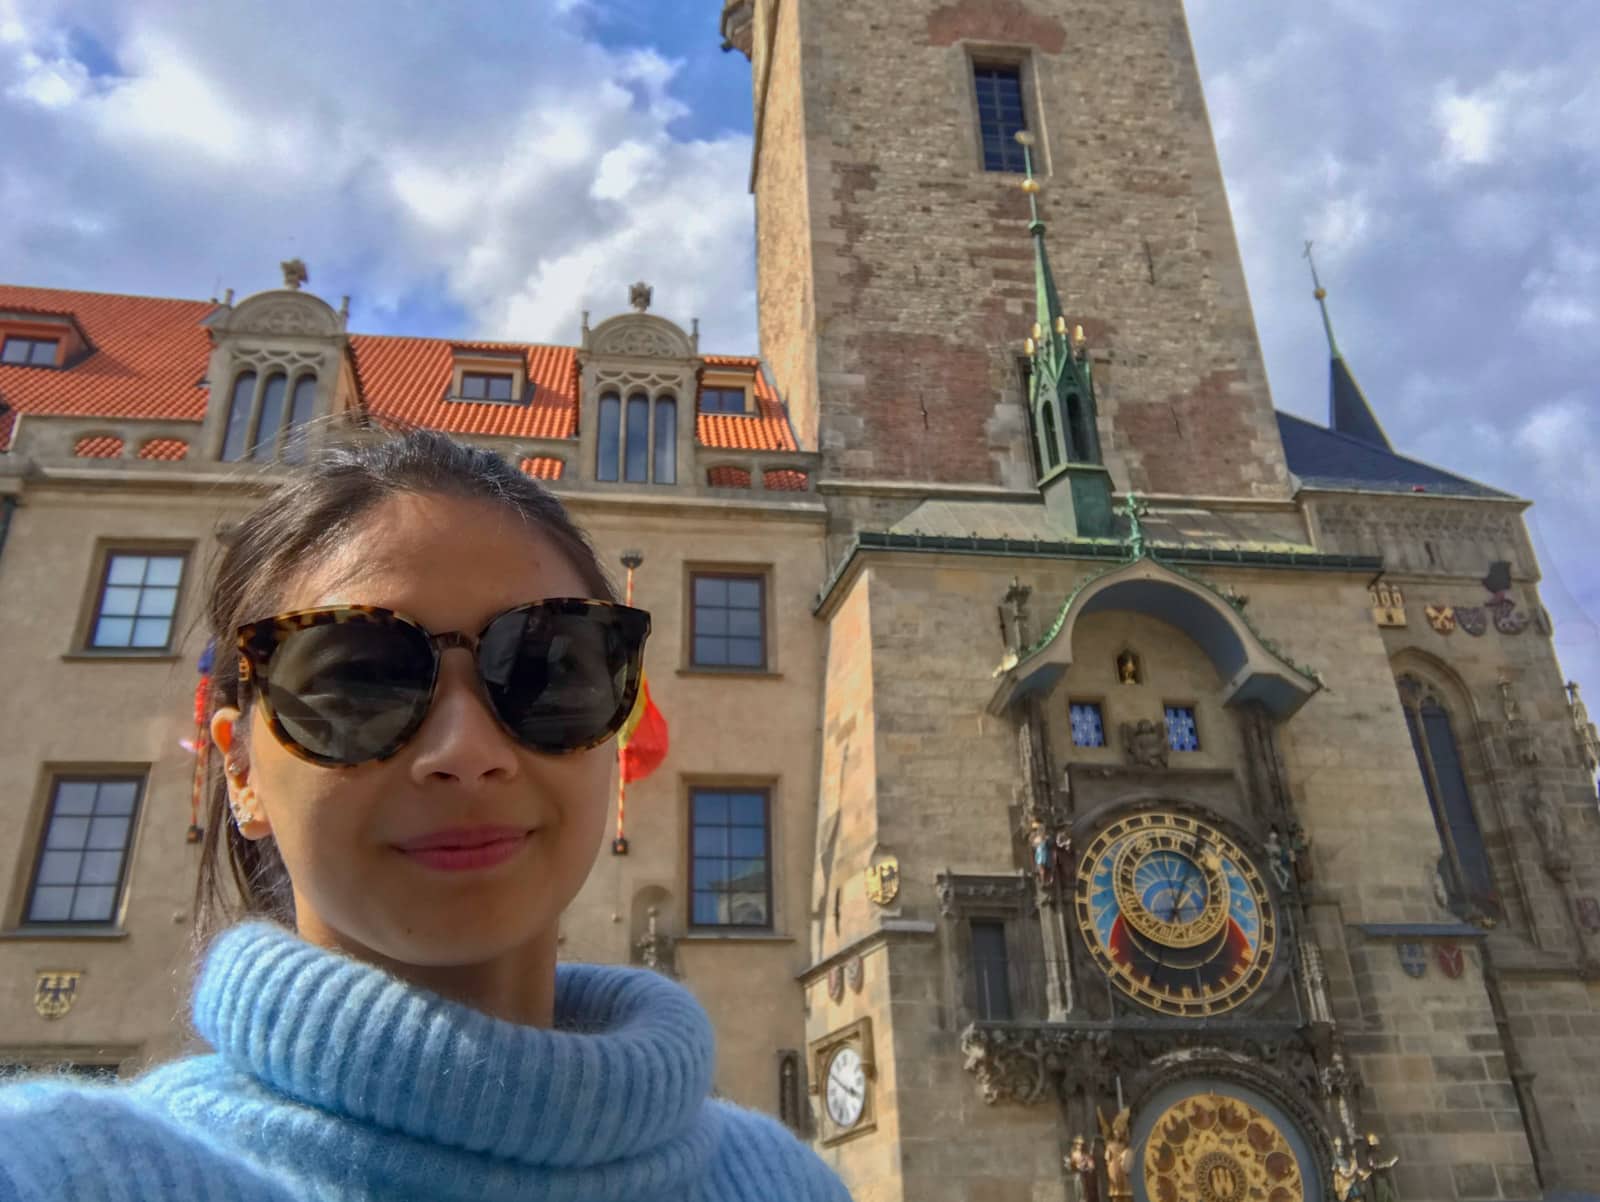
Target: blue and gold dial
column 1175, row 913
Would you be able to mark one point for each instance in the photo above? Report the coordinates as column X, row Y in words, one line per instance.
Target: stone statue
column 1145, row 743
column 1063, row 854
column 1300, row 851
column 1118, row 1155
column 1348, row 1176
column 294, row 273
column 1551, row 830
column 1039, row 840
column 1379, row 1171
column 640, row 295
column 1081, row 1168
column 1278, row 860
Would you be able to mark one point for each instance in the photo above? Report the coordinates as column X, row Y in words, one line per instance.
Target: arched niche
column 277, row 313
column 1249, row 670
column 639, row 335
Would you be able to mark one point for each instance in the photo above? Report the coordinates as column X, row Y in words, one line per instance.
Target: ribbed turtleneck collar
column 623, row 1075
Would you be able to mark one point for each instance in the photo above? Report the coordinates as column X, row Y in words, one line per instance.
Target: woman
column 414, row 718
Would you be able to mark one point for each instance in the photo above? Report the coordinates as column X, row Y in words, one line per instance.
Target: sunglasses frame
column 258, row 640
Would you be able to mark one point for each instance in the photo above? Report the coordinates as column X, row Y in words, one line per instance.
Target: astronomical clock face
column 1176, row 914
column 1216, row 1148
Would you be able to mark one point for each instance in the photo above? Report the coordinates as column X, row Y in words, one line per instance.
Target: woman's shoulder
column 759, row 1158
column 61, row 1138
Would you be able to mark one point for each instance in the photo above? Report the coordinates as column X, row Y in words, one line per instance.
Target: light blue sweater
column 333, row 1080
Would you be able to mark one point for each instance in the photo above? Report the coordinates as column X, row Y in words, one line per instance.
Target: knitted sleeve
column 96, row 1144
column 759, row 1160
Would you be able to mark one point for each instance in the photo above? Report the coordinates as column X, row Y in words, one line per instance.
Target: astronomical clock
column 1176, row 914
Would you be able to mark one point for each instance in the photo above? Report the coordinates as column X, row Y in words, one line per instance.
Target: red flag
column 643, row 737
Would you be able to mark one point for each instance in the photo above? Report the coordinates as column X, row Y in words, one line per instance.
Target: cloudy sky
column 495, row 169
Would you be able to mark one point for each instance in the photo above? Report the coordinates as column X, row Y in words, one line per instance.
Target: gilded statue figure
column 1083, row 1171
column 1348, row 1175
column 1118, row 1155
column 1379, row 1170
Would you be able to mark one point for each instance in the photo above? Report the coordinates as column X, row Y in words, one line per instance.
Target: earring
column 244, row 808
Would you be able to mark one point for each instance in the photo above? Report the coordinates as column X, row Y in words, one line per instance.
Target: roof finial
column 294, row 273
column 1321, row 294
column 639, row 296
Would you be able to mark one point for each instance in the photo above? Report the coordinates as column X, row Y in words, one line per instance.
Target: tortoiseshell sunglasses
column 348, row 684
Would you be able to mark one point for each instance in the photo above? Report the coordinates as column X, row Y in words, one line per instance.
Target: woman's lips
column 464, row 850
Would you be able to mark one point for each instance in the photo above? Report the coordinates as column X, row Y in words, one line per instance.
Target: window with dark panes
column 300, row 410
column 636, row 455
column 83, row 857
column 728, row 626
column 990, row 969
column 1000, row 116
column 722, row 400
column 608, row 434
column 137, row 602
column 29, row 352
column 731, row 879
column 239, row 406
column 485, row 386
column 271, row 418
column 665, row 468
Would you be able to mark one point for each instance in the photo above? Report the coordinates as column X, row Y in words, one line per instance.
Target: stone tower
column 894, row 293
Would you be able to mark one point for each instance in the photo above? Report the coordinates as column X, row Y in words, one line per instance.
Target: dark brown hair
column 296, row 528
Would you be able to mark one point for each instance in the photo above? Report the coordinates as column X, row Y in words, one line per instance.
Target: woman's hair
column 295, row 529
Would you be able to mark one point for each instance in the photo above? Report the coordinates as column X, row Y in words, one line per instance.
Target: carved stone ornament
column 1508, row 619
column 1588, row 913
column 855, row 974
column 1441, row 617
column 883, row 880
column 1551, row 829
column 295, row 274
column 1452, row 960
column 55, row 991
column 288, row 314
column 1474, row 619
column 961, row 894
column 640, row 295
column 1129, row 669
column 1144, row 743
column 836, row 982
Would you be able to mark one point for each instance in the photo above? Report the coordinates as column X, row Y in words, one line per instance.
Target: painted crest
column 1474, row 619
column 55, row 992
column 1508, row 619
column 855, row 973
column 836, row 982
column 883, row 881
column 1589, row 913
column 1452, row 960
column 1413, row 959
column 1441, row 617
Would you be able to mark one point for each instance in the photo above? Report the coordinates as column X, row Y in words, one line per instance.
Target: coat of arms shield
column 55, row 991
column 883, row 881
column 1412, row 959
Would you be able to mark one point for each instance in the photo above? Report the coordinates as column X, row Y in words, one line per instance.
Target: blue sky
column 496, row 169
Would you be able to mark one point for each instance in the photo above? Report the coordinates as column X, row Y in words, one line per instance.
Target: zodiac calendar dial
column 1175, row 913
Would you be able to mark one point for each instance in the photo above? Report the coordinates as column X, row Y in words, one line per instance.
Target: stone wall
column 874, row 213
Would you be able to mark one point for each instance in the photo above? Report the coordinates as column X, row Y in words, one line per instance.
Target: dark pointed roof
column 1348, row 411
column 1324, row 458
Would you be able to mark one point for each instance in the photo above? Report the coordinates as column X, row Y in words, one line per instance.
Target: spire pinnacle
column 1321, row 294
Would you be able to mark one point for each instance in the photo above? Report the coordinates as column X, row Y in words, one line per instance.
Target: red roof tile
column 148, row 358
column 407, row 379
column 728, row 477
column 100, row 446
column 150, row 354
column 168, row 449
column 784, row 480
column 765, row 430
column 542, row 467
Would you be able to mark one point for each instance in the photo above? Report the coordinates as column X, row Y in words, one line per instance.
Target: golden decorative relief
column 1219, row 1149
column 54, row 992
column 883, row 880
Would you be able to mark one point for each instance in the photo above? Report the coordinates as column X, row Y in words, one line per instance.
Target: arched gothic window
column 1052, row 443
column 1466, row 869
column 609, row 436
column 664, row 432
column 239, row 407
column 636, row 458
column 266, row 418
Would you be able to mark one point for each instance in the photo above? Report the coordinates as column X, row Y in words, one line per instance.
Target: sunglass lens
column 559, row 679
column 352, row 691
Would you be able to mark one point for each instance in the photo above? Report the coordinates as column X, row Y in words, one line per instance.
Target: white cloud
column 1564, row 292
column 1471, row 125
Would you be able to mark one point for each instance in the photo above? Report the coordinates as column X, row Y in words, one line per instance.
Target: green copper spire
column 1061, row 390
column 1075, row 486
column 1348, row 411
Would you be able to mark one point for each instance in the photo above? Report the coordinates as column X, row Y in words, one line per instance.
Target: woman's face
column 450, row 564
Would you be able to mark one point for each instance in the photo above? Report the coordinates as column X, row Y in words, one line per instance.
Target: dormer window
column 30, row 352
column 487, row 386
column 722, row 400
column 490, row 376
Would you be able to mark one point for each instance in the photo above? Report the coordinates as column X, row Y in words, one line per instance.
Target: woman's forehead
column 441, row 560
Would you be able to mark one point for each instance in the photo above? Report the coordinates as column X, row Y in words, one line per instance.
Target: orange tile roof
column 542, row 467
column 148, row 358
column 150, row 354
column 104, row 446
column 728, row 477
column 169, row 449
column 765, row 430
column 407, row 379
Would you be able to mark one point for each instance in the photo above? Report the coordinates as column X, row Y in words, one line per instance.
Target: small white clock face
column 847, row 1087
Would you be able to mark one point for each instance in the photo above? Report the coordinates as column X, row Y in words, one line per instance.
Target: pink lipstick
column 462, row 849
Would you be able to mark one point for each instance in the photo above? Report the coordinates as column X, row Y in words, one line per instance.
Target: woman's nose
column 461, row 739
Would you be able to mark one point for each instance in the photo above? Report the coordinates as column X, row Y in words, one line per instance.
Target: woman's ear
column 248, row 813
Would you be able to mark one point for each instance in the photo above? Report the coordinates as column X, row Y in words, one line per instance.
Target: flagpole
column 619, row 845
